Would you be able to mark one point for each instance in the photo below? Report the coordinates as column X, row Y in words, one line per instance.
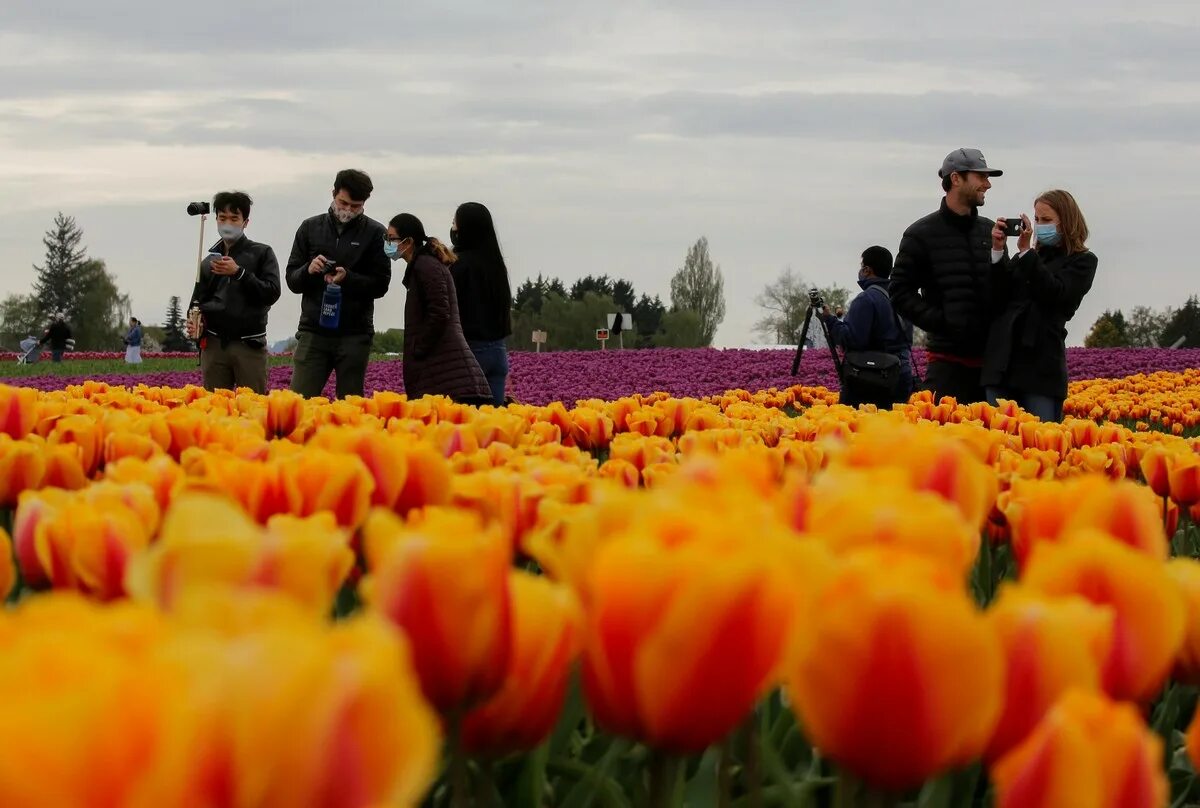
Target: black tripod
column 815, row 303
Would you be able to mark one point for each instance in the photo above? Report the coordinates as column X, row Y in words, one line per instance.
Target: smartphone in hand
column 1013, row 226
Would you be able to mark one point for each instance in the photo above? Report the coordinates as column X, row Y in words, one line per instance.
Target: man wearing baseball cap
column 941, row 278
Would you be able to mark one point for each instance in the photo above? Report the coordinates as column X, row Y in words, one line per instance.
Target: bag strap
column 899, row 326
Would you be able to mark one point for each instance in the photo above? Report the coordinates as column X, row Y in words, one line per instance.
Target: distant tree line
column 1147, row 328
column 68, row 282
column 571, row 315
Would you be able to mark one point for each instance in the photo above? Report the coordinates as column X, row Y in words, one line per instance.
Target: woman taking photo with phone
column 1039, row 289
column 484, row 294
column 437, row 360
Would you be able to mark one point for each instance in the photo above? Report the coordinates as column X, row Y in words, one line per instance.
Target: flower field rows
column 729, row 599
column 574, row 375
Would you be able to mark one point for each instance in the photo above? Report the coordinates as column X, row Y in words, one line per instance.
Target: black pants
column 317, row 356
column 953, row 379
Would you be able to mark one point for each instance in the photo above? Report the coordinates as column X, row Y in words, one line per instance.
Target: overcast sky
column 605, row 137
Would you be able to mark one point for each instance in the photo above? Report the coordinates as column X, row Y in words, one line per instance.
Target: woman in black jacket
column 437, row 361
column 1040, row 289
column 484, row 294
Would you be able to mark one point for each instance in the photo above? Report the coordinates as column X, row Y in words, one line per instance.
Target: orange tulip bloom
column 8, row 570
column 449, row 591
column 18, row 411
column 84, row 432
column 285, row 411
column 917, row 521
column 680, row 642
column 64, row 467
column 22, row 468
column 1185, row 572
column 1185, row 479
column 161, row 473
column 1155, row 467
column 1088, row 752
column 1149, row 609
column 86, row 547
column 546, row 641
column 206, row 541
column 620, row 470
column 1050, row 646
column 428, row 481
column 1044, row 512
column 911, row 652
column 316, row 481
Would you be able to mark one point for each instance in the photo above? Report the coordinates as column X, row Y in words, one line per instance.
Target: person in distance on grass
column 437, row 359
column 57, row 335
column 239, row 282
column 133, row 342
column 342, row 248
column 871, row 324
column 941, row 279
column 484, row 293
column 1026, row 357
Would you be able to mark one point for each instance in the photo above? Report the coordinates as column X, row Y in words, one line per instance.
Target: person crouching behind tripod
column 871, row 324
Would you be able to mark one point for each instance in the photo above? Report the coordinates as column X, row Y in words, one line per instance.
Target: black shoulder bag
column 872, row 375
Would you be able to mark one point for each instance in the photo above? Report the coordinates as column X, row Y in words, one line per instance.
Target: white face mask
column 344, row 216
column 230, row 232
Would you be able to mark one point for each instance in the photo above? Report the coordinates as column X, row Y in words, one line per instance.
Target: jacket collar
column 957, row 220
column 237, row 245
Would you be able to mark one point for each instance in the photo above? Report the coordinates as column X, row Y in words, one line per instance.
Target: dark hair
column 947, row 184
column 477, row 232
column 408, row 226
column 878, row 260
column 233, row 202
column 354, row 182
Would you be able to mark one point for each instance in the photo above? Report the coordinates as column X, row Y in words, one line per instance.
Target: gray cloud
column 605, row 137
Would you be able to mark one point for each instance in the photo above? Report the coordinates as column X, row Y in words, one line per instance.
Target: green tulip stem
column 664, row 776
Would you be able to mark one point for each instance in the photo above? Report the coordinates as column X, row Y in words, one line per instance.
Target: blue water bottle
column 331, row 306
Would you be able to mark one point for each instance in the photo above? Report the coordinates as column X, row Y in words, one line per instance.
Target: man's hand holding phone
column 321, row 265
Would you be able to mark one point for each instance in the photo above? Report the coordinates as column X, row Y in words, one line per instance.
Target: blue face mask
column 390, row 248
column 1047, row 234
column 862, row 280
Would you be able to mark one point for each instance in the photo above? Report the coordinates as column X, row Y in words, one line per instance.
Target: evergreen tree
column 174, row 334
column 57, row 287
column 1184, row 323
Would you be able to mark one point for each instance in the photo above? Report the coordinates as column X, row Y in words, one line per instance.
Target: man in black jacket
column 941, row 279
column 239, row 282
column 58, row 334
column 341, row 246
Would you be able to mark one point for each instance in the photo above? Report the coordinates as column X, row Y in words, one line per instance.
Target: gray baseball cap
column 963, row 160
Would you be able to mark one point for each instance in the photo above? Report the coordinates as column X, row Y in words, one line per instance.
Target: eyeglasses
column 393, row 239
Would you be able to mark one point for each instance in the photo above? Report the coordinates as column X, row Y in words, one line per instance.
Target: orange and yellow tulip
column 1050, row 647
column 449, row 590
column 1149, row 613
column 1088, row 752
column 681, row 641
column 910, row 652
column 546, row 640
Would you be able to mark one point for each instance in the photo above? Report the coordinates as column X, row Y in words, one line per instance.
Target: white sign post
column 620, row 323
column 539, row 339
column 602, row 336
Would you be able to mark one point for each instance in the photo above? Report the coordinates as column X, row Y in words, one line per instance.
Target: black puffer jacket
column 357, row 246
column 437, row 360
column 236, row 306
column 1026, row 347
column 941, row 281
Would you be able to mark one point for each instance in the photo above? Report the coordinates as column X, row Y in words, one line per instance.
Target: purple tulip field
column 573, row 375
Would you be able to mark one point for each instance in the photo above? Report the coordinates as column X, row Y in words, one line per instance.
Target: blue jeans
column 1047, row 409
column 492, row 356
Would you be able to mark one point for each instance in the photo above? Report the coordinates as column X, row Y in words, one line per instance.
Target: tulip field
column 605, row 595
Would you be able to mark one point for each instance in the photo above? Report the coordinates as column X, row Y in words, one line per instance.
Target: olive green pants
column 316, row 356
